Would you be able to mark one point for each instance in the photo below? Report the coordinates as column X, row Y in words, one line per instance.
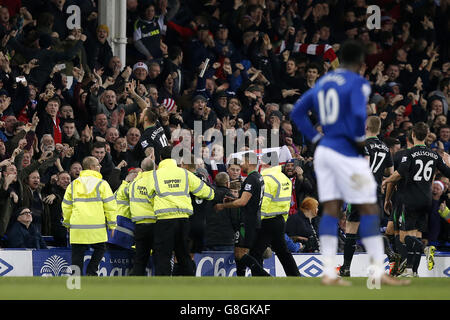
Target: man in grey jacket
column 106, row 103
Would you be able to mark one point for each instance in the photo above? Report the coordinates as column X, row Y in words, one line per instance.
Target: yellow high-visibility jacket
column 141, row 205
column 277, row 193
column 89, row 206
column 122, row 200
column 170, row 188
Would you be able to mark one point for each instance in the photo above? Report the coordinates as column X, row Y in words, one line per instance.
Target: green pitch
column 215, row 288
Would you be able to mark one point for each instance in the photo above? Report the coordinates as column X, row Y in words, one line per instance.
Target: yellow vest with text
column 277, row 193
column 171, row 187
column 89, row 206
column 141, row 205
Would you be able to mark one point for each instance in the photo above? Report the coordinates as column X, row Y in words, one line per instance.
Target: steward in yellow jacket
column 274, row 211
column 89, row 208
column 143, row 216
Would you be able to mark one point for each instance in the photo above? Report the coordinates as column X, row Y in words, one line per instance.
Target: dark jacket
column 110, row 173
column 57, row 230
column 221, row 225
column 46, row 60
column 299, row 225
column 189, row 117
column 7, row 209
column 41, row 215
column 98, row 54
column 19, row 236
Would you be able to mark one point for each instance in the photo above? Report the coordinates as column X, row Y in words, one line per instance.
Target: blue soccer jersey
column 339, row 98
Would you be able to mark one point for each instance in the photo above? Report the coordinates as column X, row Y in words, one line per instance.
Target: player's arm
column 401, row 172
column 238, row 203
column 393, row 178
column 301, row 119
column 442, row 167
column 358, row 104
column 388, row 196
column 389, row 165
column 366, row 154
column 388, row 171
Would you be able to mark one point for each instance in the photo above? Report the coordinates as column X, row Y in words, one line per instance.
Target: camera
column 20, row 79
column 298, row 163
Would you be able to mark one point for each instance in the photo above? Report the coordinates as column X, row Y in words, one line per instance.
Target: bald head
column 147, row 164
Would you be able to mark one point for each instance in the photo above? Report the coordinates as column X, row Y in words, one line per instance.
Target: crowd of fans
column 65, row 95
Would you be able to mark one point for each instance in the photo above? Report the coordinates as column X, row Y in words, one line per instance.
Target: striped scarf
column 325, row 50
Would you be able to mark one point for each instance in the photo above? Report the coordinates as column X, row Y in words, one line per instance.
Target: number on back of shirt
column 328, row 106
column 425, row 171
column 377, row 160
column 163, row 141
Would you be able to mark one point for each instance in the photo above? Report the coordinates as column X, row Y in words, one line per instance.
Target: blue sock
column 369, row 225
column 328, row 235
column 328, row 225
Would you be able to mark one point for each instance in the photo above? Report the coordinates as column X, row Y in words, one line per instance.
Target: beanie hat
column 440, row 184
column 140, row 65
column 169, row 104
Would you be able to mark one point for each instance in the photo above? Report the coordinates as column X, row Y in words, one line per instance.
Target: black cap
column 221, row 26
column 221, row 94
column 199, row 97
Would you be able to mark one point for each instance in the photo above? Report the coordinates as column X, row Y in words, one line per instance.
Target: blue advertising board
column 222, row 264
column 56, row 262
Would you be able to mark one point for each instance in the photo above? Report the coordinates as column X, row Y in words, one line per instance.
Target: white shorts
column 340, row 177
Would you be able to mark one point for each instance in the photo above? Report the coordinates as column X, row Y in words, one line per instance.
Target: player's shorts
column 414, row 219
column 397, row 209
column 246, row 235
column 352, row 213
column 340, row 177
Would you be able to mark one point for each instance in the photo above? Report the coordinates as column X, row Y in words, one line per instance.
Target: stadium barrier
column 56, row 262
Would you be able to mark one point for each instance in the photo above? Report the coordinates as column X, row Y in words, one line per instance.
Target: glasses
column 24, row 212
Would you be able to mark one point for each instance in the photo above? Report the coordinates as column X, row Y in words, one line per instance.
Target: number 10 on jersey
column 328, row 106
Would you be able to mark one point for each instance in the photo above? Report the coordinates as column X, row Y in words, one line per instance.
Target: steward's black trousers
column 143, row 237
column 78, row 251
column 172, row 235
column 272, row 234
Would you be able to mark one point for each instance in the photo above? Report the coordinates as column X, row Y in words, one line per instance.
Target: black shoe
column 401, row 267
column 344, row 272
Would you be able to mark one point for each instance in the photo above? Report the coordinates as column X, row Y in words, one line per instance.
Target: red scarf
column 293, row 209
column 57, row 134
